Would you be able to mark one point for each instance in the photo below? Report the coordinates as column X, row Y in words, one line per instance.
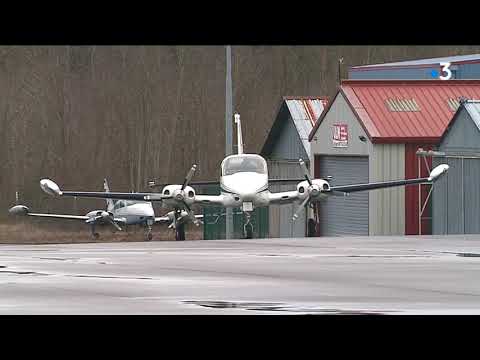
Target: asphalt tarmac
column 349, row 275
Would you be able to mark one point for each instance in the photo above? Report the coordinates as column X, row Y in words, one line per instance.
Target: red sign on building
column 340, row 135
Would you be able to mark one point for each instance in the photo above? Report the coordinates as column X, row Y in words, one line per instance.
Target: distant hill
column 132, row 113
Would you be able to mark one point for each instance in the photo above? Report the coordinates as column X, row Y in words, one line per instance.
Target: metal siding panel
column 468, row 71
column 455, row 208
column 471, row 196
column 344, row 215
column 392, row 74
column 440, row 201
column 387, row 206
column 288, row 145
column 340, row 112
column 463, row 135
column 456, row 199
column 473, row 108
column 281, row 215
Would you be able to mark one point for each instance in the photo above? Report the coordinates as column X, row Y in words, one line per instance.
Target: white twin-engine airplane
column 244, row 184
column 118, row 212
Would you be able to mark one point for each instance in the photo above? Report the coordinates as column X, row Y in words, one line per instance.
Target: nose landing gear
column 248, row 226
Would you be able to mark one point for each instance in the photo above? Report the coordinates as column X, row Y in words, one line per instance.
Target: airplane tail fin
column 110, row 202
column 239, row 133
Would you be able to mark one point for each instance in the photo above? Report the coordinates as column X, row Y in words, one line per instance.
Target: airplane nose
column 149, row 212
column 247, row 196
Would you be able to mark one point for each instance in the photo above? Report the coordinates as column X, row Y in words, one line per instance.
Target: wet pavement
column 351, row 275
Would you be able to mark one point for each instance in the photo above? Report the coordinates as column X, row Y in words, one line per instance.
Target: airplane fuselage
column 131, row 213
column 136, row 213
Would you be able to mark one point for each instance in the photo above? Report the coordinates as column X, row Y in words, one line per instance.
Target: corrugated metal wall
column 392, row 73
column 387, row 206
column 280, row 216
column 344, row 215
column 456, row 196
column 448, row 199
column 459, row 71
column 288, row 145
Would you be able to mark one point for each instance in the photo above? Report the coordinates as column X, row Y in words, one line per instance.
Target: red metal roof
column 405, row 111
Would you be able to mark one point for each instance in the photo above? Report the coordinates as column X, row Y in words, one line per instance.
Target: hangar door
column 341, row 215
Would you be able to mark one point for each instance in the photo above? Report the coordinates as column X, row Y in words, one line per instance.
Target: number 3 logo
column 446, row 69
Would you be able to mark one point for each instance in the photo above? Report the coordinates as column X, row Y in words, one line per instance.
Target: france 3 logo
column 444, row 74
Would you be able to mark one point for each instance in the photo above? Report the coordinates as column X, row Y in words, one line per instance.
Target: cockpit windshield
column 244, row 163
column 123, row 203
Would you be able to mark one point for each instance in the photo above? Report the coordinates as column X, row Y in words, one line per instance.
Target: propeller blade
column 300, row 208
column 191, row 215
column 189, row 176
column 305, row 171
column 111, row 221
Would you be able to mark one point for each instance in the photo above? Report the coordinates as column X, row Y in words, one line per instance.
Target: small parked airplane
column 244, row 184
column 118, row 212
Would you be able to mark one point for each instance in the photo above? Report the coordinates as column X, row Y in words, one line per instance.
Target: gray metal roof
column 473, row 108
column 431, row 61
column 305, row 112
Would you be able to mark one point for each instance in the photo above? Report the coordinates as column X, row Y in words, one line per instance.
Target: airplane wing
column 283, row 197
column 376, row 185
column 162, row 219
column 52, row 188
column 59, row 216
column 23, row 210
column 434, row 175
column 212, row 200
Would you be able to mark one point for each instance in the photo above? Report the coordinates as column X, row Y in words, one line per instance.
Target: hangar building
column 462, row 67
column 456, row 197
column 287, row 142
column 371, row 132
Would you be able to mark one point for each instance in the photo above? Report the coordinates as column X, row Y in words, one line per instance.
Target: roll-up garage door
column 347, row 215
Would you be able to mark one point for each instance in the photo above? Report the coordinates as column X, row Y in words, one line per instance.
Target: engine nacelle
column 49, row 187
column 187, row 195
column 304, row 188
column 104, row 214
column 19, row 210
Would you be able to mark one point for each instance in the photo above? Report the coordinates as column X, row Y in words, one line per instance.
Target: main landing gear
column 148, row 234
column 95, row 235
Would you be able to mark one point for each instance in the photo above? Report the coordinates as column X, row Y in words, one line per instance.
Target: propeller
column 305, row 172
column 191, row 215
column 181, row 195
column 109, row 218
column 105, row 216
column 312, row 190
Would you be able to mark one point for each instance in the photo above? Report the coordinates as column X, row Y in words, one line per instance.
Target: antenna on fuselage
column 239, row 133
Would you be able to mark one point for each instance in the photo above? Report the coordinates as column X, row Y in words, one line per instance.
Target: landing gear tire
column 149, row 236
column 180, row 232
column 248, row 231
column 96, row 236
